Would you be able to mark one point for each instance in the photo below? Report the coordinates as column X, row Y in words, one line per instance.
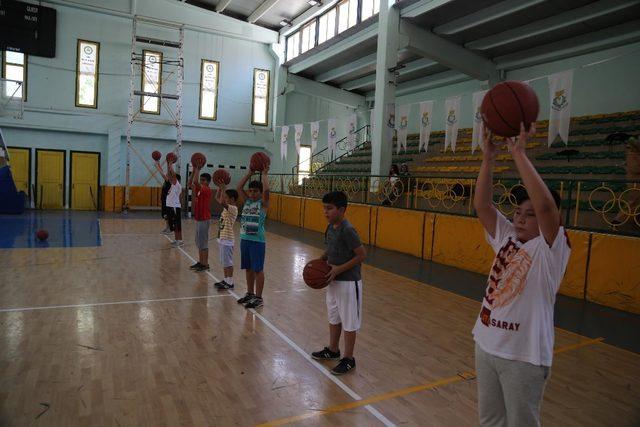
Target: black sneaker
column 224, row 285
column 219, row 284
column 195, row 266
column 326, row 354
column 255, row 302
column 344, row 366
column 201, row 268
column 246, row 298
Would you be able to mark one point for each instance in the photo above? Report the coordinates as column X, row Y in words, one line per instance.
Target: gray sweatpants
column 509, row 391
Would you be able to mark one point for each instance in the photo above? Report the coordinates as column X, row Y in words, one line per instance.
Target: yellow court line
column 465, row 376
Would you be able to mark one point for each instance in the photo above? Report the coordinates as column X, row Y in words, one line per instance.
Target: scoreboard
column 27, row 28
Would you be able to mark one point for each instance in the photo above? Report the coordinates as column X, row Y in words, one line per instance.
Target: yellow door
column 50, row 179
column 19, row 162
column 84, row 180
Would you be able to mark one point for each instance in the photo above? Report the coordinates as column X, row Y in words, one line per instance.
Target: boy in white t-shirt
column 514, row 332
column 174, row 205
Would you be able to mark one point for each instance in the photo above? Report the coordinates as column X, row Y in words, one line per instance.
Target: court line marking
column 98, row 304
column 464, row 376
column 355, row 396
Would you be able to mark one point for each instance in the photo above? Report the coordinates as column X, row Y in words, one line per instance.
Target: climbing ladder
column 171, row 70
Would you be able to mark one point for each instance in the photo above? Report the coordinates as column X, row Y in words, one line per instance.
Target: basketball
column 198, row 160
column 221, row 175
column 171, row 157
column 315, row 272
column 42, row 235
column 507, row 105
column 259, row 161
column 156, row 155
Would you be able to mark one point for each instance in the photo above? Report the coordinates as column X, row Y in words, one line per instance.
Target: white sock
column 229, row 280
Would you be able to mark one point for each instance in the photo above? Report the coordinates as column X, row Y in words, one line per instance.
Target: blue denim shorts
column 252, row 255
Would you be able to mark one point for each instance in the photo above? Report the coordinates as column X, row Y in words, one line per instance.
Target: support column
column 279, row 102
column 387, row 57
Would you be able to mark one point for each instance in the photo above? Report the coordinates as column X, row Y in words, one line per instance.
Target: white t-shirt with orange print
column 516, row 319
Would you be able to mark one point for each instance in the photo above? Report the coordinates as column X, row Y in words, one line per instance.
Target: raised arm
column 193, row 179
column 219, row 195
column 159, row 168
column 483, row 198
column 242, row 195
column 266, row 192
column 543, row 204
column 171, row 175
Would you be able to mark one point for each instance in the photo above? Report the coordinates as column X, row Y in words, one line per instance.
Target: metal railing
column 324, row 157
column 611, row 206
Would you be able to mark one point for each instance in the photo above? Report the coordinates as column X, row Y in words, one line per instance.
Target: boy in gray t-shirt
column 344, row 254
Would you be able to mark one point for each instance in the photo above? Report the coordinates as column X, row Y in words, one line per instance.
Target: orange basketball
column 507, row 105
column 315, row 272
column 259, row 161
column 171, row 157
column 221, row 175
column 42, row 235
column 198, row 160
column 156, row 155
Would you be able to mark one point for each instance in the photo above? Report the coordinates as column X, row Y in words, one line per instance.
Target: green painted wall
column 51, row 119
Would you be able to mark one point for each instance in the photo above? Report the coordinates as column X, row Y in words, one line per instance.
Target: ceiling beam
column 488, row 14
column 343, row 70
column 429, row 82
column 552, row 23
column 261, row 10
column 599, row 40
column 421, row 7
column 447, row 53
column 339, row 47
column 324, row 91
column 409, row 67
column 222, row 5
column 361, row 82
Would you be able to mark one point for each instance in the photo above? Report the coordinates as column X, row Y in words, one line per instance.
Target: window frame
column 142, row 77
column 253, row 97
column 312, row 35
column 96, row 74
column 335, row 8
column 203, row 61
column 25, row 69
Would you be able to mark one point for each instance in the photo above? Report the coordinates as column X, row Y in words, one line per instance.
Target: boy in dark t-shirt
column 344, row 254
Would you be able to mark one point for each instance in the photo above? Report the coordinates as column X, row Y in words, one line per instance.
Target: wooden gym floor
column 124, row 334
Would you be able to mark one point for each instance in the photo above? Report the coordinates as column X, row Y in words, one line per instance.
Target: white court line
column 355, row 396
column 97, row 304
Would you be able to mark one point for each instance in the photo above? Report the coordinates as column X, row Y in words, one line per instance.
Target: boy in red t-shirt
column 202, row 214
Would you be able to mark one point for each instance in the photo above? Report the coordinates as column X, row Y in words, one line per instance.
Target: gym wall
column 602, row 268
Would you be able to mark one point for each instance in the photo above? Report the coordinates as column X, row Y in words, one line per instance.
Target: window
column 87, row 69
column 308, row 34
column 347, row 14
column 209, row 90
column 327, row 26
column 260, row 109
column 151, row 75
column 370, row 8
column 14, row 67
column 293, row 46
column 304, row 163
